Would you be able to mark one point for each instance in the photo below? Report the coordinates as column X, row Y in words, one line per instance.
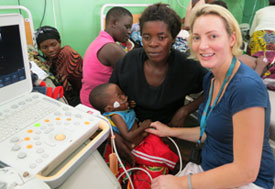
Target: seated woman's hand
column 124, row 149
column 179, row 118
column 159, row 129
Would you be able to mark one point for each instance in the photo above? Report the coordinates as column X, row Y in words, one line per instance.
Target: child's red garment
column 153, row 152
column 141, row 180
column 152, row 155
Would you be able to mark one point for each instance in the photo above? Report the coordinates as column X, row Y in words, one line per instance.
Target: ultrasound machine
column 44, row 143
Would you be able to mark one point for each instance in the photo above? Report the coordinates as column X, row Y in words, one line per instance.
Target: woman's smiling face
column 210, row 41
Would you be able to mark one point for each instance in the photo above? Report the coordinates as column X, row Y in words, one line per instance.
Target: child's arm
column 138, row 139
column 123, row 129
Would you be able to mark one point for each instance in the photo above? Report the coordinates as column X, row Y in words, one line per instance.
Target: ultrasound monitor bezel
column 24, row 86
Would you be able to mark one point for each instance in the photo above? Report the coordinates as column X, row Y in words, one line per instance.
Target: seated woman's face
column 157, row 40
column 50, row 48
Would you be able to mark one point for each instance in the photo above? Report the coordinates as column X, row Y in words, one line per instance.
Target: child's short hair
column 99, row 97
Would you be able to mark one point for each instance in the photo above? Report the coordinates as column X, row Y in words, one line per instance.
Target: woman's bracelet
column 189, row 181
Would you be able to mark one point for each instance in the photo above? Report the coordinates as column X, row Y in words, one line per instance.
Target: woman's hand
column 179, row 118
column 159, row 129
column 167, row 181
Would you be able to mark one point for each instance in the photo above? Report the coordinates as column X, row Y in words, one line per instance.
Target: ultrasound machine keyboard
column 38, row 132
column 24, row 113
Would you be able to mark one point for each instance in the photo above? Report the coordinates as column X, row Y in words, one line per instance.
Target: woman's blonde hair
column 231, row 25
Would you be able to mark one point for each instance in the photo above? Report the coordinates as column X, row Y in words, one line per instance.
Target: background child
column 149, row 151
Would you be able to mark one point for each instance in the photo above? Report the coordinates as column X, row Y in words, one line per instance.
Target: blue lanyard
column 206, row 113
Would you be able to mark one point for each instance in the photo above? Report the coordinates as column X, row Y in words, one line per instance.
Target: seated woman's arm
column 110, row 54
column 182, row 113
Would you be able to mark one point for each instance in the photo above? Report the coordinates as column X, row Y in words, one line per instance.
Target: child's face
column 117, row 97
column 50, row 48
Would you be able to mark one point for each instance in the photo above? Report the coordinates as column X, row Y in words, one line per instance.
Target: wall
column 250, row 7
column 79, row 21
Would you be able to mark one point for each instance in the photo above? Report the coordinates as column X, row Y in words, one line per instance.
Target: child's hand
column 145, row 124
column 132, row 104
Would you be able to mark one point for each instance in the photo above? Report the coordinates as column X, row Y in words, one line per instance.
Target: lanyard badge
column 196, row 152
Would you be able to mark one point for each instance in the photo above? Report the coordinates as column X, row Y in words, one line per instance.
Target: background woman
column 63, row 62
column 103, row 53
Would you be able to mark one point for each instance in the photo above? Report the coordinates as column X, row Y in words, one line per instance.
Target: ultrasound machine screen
column 11, row 54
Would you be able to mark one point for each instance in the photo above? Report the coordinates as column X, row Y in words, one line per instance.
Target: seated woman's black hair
column 162, row 12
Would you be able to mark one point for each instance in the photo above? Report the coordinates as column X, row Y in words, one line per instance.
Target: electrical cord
column 114, row 145
column 179, row 154
column 19, row 5
column 44, row 12
column 252, row 13
column 136, row 168
column 54, row 15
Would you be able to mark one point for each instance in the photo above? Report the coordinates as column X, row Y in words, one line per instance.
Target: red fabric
column 58, row 92
column 43, row 84
column 153, row 152
column 49, row 91
column 152, row 155
column 142, row 181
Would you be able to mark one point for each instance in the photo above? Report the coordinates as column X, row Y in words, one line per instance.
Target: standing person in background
column 103, row 53
column 64, row 63
column 235, row 113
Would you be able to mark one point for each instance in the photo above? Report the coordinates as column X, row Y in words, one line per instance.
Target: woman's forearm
column 226, row 176
column 162, row 130
column 189, row 134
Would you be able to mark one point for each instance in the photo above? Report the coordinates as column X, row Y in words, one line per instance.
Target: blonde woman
column 234, row 117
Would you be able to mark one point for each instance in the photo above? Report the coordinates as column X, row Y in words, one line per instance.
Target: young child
column 149, row 151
